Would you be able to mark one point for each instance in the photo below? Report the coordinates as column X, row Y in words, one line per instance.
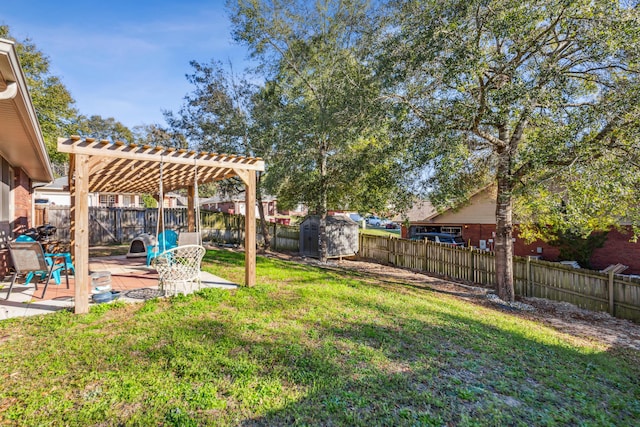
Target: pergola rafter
column 116, row 167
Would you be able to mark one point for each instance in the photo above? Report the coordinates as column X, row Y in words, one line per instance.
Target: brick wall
column 22, row 200
column 618, row 249
column 476, row 232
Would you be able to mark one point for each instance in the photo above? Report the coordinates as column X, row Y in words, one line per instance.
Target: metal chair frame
column 29, row 257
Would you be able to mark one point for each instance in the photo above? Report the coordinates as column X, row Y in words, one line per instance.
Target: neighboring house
column 23, row 154
column 475, row 222
column 54, row 193
column 419, row 211
column 300, row 210
column 57, row 193
column 236, row 205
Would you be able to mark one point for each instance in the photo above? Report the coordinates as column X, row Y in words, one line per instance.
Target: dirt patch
column 594, row 327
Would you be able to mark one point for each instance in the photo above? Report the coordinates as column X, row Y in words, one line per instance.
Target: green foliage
column 308, row 346
column 575, row 247
column 52, row 101
column 481, row 80
column 534, row 96
column 100, row 128
column 158, row 135
column 331, row 145
column 149, row 201
column 216, row 116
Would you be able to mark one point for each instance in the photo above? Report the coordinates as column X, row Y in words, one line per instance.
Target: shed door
column 311, row 240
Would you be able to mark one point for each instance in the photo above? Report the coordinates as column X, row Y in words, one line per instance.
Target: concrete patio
column 130, row 276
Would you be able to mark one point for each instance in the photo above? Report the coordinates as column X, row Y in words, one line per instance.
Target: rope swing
column 196, row 199
column 168, row 239
column 160, row 206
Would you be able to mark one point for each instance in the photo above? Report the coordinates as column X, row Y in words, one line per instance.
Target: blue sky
column 126, row 59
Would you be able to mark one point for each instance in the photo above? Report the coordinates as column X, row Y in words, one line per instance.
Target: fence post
column 612, row 307
column 119, row 232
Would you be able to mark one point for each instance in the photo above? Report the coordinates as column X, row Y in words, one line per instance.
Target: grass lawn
column 307, row 347
column 381, row 231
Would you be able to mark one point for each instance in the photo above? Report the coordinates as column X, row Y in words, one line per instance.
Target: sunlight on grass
column 306, row 346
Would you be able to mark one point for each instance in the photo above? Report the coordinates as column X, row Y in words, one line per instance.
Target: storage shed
column 342, row 236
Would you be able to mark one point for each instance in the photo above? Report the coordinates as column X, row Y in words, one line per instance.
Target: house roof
column 21, row 141
column 58, row 184
column 117, row 167
column 421, row 210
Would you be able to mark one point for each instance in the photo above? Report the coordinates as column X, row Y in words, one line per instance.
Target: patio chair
column 28, row 257
column 166, row 240
column 51, row 258
column 179, row 269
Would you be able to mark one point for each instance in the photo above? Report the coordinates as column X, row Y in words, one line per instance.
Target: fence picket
column 587, row 289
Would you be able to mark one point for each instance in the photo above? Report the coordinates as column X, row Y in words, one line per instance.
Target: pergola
column 105, row 166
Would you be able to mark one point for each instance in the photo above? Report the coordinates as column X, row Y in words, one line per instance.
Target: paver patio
column 130, row 276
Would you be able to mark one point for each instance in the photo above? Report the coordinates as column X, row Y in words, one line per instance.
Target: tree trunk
column 504, row 230
column 322, row 209
column 263, row 221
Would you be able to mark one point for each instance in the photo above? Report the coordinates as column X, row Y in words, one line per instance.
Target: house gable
column 481, row 209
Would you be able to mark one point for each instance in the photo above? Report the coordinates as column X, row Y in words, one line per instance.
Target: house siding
column 481, row 209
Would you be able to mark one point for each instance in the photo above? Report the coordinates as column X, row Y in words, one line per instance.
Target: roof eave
column 39, row 167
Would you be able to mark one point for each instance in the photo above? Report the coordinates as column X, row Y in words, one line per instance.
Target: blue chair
column 166, row 240
column 50, row 258
column 68, row 262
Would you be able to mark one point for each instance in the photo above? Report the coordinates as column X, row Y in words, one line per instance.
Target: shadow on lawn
column 434, row 376
column 451, row 369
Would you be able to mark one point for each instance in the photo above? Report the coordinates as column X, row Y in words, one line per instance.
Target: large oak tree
column 332, row 149
column 533, row 96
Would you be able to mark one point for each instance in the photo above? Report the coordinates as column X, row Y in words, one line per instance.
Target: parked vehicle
column 374, row 221
column 356, row 217
column 440, row 238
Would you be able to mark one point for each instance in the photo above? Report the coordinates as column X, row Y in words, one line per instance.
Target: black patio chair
column 28, row 257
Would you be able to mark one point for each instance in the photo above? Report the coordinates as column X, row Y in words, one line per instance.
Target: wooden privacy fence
column 591, row 290
column 121, row 225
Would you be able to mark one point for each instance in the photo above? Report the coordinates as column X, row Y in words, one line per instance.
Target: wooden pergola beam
column 104, row 166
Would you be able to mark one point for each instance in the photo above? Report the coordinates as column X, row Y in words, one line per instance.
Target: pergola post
column 105, row 166
column 80, row 195
column 250, row 229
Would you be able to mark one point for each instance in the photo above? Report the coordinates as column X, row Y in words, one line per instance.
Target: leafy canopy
column 548, row 88
column 331, row 147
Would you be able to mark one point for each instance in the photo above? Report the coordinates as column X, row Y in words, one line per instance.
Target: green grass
column 381, row 231
column 307, row 346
